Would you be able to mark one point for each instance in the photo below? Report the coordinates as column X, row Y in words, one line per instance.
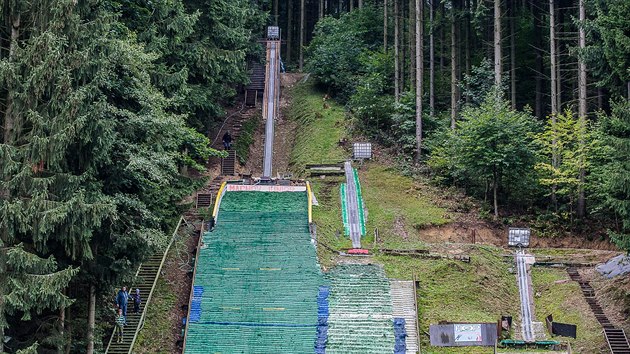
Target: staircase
column 145, row 280
column 256, row 84
column 228, row 164
column 616, row 337
column 204, row 200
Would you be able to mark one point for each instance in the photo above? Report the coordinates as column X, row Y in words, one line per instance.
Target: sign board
column 463, row 334
column 518, row 237
column 362, row 150
column 561, row 329
column 467, row 333
column 273, row 32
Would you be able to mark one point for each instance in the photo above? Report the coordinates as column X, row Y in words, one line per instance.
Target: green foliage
column 476, row 86
column 371, row 103
column 246, row 138
column 491, row 144
column 95, row 98
column 614, row 174
column 569, row 141
column 612, row 23
column 334, row 55
column 224, row 37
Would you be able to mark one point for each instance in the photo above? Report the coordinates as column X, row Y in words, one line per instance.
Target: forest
column 107, row 106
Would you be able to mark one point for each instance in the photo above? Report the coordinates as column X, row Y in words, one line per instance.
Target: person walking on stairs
column 227, row 140
column 121, row 300
column 120, row 323
column 136, row 301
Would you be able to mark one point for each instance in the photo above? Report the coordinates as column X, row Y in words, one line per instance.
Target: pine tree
column 50, row 145
column 615, row 175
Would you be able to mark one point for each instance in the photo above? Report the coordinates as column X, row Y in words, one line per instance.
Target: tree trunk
column 552, row 59
column 321, row 9
column 554, row 88
column 8, row 113
column 419, row 77
column 396, row 52
column 442, row 39
column 68, row 330
column 495, row 188
column 513, row 54
column 431, row 60
column 7, row 137
column 453, row 66
column 539, row 60
column 275, row 12
column 581, row 203
column 412, row 45
column 91, row 320
column 62, row 328
column 385, row 25
column 402, row 31
column 497, row 43
column 467, row 44
column 351, row 5
column 302, row 28
column 360, row 4
column 289, row 29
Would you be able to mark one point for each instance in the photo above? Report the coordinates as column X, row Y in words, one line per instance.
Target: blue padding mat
column 400, row 334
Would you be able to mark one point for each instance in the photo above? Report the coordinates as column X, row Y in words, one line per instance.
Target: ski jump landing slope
column 257, row 280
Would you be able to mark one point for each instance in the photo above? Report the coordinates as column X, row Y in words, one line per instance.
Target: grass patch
column 317, row 141
column 157, row 335
column 397, row 206
column 327, row 216
column 565, row 302
column 246, row 138
column 322, row 125
column 480, row 291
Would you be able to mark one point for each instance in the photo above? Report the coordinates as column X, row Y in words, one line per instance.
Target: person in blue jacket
column 121, row 300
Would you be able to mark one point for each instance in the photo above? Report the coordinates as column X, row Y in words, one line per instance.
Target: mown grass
column 157, row 335
column 479, row 291
column 397, row 206
column 563, row 299
column 322, row 125
column 246, row 138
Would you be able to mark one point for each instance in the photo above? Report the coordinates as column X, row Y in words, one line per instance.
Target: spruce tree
column 49, row 205
column 614, row 176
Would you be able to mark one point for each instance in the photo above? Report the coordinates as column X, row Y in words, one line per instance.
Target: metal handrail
column 146, row 304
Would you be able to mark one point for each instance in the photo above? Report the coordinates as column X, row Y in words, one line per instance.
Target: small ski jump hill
column 257, row 280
